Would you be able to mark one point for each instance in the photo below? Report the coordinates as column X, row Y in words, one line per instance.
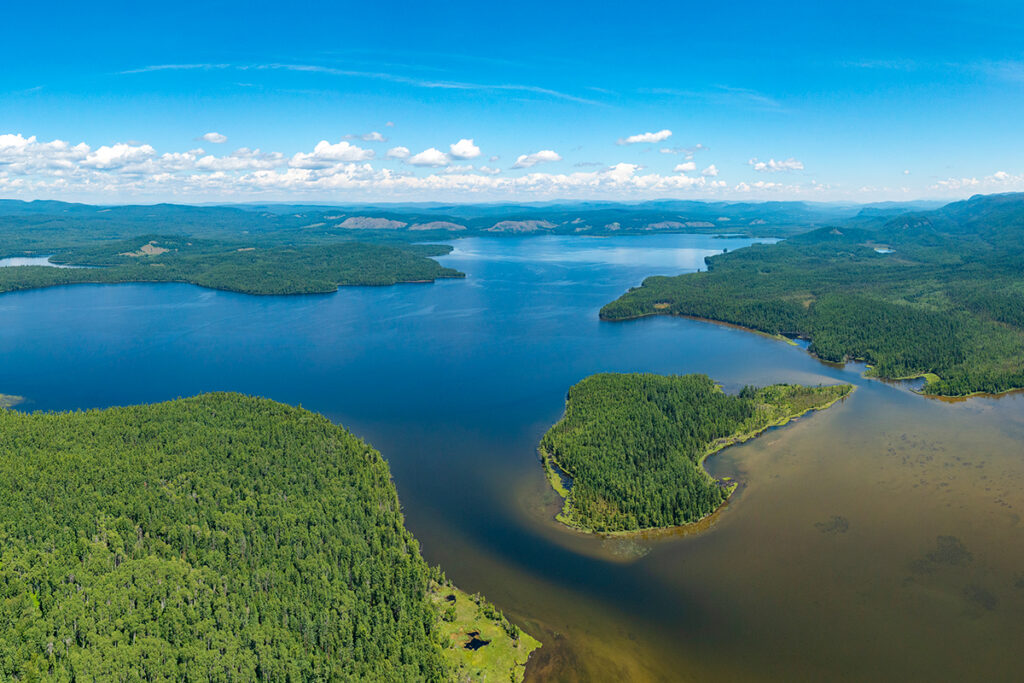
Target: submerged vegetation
column 236, row 266
column 8, row 400
column 220, row 537
column 632, row 445
column 946, row 302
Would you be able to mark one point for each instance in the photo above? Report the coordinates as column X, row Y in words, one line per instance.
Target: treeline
column 47, row 226
column 632, row 444
column 941, row 304
column 214, row 538
column 236, row 267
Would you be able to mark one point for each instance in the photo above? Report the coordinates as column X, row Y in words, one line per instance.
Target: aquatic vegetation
column 633, row 444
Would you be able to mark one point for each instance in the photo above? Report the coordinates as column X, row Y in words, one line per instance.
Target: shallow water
column 878, row 540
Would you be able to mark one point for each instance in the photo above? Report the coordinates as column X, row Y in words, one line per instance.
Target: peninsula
column 936, row 294
column 245, row 267
column 627, row 455
column 221, row 537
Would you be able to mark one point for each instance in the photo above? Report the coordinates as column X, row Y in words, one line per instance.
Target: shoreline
column 555, row 481
column 337, row 288
column 789, row 340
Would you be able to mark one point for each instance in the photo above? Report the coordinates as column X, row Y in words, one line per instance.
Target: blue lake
column 30, row 261
column 455, row 382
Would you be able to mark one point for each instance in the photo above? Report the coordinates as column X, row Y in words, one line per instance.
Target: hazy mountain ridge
column 38, row 226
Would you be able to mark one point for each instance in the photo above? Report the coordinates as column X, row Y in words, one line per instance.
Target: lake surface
column 31, row 261
column 879, row 540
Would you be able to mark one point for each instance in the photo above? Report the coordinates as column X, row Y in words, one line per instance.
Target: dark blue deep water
column 455, row 382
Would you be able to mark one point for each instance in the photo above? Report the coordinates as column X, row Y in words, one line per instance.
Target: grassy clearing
column 471, row 620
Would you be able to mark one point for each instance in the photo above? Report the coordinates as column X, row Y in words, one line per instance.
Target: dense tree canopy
column 237, row 267
column 214, row 538
column 631, row 444
column 947, row 300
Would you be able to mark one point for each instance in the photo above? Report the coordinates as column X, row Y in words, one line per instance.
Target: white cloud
column 242, row 159
column 957, row 183
column 22, row 155
column 530, row 160
column 117, row 156
column 179, row 161
column 429, row 157
column 460, row 168
column 15, row 143
column 215, row 138
column 759, row 185
column 31, row 169
column 660, row 136
column 773, row 166
column 688, row 151
column 464, row 149
column 372, row 136
column 325, row 154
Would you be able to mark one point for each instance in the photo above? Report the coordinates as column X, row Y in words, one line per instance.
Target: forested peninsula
column 236, row 266
column 938, row 294
column 627, row 454
column 221, row 537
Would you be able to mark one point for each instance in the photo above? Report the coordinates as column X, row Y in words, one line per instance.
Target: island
column 246, row 267
column 627, row 455
column 937, row 294
column 221, row 537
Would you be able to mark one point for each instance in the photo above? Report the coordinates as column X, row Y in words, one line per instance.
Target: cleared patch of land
column 478, row 642
column 149, row 249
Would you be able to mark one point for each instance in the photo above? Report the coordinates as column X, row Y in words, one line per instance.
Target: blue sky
column 110, row 102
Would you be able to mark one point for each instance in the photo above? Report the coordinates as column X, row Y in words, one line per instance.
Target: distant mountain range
column 41, row 225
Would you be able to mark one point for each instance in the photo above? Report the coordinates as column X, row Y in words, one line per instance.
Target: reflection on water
column 878, row 540
column 31, row 261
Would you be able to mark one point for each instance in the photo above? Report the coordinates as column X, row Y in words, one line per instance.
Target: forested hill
column 632, row 445
column 214, row 538
column 49, row 226
column 938, row 294
column 236, row 266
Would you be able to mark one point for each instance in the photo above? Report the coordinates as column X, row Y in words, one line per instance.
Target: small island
column 627, row 456
column 222, row 537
